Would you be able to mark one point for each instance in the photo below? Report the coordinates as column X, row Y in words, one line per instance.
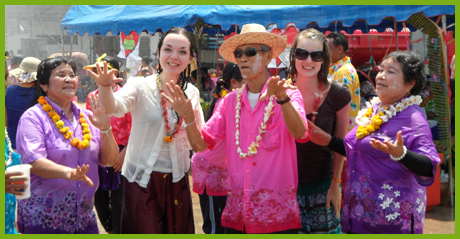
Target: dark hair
column 147, row 60
column 16, row 59
column 339, row 40
column 204, row 69
column 314, row 35
column 184, row 76
column 412, row 67
column 231, row 71
column 45, row 68
column 115, row 64
column 194, row 73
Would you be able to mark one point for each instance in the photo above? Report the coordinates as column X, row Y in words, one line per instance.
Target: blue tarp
column 97, row 19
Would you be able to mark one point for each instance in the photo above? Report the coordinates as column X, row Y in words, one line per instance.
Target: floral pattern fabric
column 212, row 176
column 344, row 72
column 262, row 187
column 57, row 206
column 10, row 199
column 381, row 195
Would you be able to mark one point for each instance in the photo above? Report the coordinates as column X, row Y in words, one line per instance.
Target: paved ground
column 440, row 220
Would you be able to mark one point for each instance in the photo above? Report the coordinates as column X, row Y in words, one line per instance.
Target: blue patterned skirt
column 314, row 216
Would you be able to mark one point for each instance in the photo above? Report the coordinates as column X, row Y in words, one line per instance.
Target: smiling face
column 390, row 85
column 252, row 66
column 308, row 67
column 62, row 85
column 175, row 54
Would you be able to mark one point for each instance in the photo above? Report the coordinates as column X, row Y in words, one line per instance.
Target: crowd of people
column 281, row 156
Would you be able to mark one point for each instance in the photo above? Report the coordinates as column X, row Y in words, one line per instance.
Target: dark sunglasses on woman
column 302, row 54
column 248, row 52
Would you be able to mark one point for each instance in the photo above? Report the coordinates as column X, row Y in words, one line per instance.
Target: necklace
column 65, row 130
column 10, row 149
column 169, row 136
column 367, row 125
column 318, row 98
column 252, row 149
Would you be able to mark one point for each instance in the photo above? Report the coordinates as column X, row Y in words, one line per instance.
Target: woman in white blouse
column 157, row 196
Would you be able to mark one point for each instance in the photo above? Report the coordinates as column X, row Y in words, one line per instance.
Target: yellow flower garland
column 376, row 121
column 367, row 126
column 65, row 130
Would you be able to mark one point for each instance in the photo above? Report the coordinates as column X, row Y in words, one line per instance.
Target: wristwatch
column 280, row 102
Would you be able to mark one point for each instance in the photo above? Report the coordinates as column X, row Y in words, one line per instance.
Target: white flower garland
column 252, row 149
column 362, row 120
column 10, row 150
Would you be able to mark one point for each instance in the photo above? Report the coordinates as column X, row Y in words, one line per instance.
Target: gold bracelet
column 337, row 180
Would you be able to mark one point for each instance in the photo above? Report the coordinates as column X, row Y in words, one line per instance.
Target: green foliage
column 205, row 106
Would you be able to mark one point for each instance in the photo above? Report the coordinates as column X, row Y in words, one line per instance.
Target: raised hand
column 13, row 184
column 182, row 106
column 79, row 174
column 100, row 119
column 104, row 77
column 277, row 88
column 395, row 149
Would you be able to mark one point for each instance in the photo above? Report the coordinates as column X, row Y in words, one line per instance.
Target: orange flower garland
column 169, row 136
column 65, row 130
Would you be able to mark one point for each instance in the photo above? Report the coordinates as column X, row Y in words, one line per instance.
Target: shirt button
column 62, row 113
column 250, row 132
column 247, row 171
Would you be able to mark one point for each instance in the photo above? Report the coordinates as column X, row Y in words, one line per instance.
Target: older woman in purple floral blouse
column 64, row 174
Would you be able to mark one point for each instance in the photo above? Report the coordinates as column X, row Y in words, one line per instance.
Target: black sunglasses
column 248, row 52
column 302, row 54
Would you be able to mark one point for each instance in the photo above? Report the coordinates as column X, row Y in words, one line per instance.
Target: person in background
column 157, row 197
column 11, row 184
column 342, row 71
column 327, row 105
column 391, row 154
column 64, row 144
column 20, row 97
column 146, row 69
column 194, row 78
column 209, row 180
column 206, row 81
column 109, row 195
column 15, row 62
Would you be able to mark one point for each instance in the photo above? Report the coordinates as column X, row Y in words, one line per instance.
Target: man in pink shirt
column 259, row 134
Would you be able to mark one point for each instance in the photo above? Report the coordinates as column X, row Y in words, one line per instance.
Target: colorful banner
column 129, row 43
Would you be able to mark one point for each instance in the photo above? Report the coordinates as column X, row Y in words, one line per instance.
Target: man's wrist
column 283, row 99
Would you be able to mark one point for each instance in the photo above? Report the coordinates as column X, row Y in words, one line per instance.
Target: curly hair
column 313, row 34
column 412, row 67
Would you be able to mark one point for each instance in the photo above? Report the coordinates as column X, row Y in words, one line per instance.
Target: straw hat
column 27, row 70
column 252, row 34
column 101, row 64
